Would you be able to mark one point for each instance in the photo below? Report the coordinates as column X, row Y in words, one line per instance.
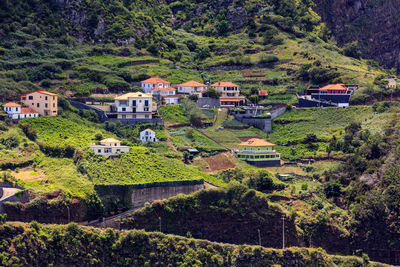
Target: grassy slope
column 141, row 166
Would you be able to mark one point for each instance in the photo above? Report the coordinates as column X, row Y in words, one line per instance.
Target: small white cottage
column 109, row 147
column 16, row 111
column 148, row 135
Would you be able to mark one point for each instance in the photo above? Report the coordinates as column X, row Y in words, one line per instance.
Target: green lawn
column 186, row 137
column 173, row 114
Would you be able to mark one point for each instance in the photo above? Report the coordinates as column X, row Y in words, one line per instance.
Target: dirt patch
column 28, row 175
column 220, row 162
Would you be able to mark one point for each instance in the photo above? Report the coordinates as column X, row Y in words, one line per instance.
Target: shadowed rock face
column 375, row 24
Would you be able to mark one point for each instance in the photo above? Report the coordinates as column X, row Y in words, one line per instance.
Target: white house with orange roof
column 230, row 93
column 109, row 147
column 148, row 135
column 172, row 99
column 154, row 82
column 16, row 111
column 192, row 88
column 43, row 102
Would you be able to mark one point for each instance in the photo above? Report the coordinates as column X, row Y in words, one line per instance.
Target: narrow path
column 221, row 116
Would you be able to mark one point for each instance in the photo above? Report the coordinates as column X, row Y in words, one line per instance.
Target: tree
column 332, row 189
column 223, row 28
column 352, row 50
column 212, row 93
column 194, row 98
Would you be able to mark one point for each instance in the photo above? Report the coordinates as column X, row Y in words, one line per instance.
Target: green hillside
column 76, row 245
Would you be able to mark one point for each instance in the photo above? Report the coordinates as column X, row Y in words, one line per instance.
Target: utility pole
column 283, row 231
column 259, row 237
column 160, row 223
column 69, row 216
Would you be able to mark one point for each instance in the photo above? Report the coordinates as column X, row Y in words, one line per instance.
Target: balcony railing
column 254, row 151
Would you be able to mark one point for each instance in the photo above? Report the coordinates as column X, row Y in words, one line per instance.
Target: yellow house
column 41, row 101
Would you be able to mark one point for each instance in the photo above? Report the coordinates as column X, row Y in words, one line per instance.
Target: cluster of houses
column 162, row 90
column 33, row 104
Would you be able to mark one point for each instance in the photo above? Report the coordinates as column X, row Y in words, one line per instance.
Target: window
column 146, row 103
column 146, row 109
column 99, row 150
column 107, row 150
column 146, row 116
column 37, row 105
column 45, row 105
column 134, row 103
column 45, row 98
column 30, row 97
column 54, row 98
column 54, row 105
column 123, row 109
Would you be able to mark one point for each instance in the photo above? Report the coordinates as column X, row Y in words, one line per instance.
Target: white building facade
column 134, row 106
column 109, row 147
column 16, row 111
column 149, row 84
column 192, row 88
column 148, row 135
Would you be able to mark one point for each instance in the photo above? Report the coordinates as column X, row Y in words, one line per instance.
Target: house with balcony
column 16, row 111
column 192, row 88
column 155, row 82
column 42, row 102
column 258, row 152
column 148, row 135
column 109, row 147
column 172, row 99
column 230, row 94
column 331, row 95
column 159, row 93
column 133, row 106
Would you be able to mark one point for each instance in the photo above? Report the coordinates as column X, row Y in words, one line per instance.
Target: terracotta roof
column 164, row 89
column 334, row 87
column 155, row 80
column 41, row 92
column 192, row 84
column 256, row 142
column 229, row 99
column 224, row 84
column 263, row 93
column 11, row 104
column 110, row 140
column 133, row 95
column 28, row 111
column 148, row 129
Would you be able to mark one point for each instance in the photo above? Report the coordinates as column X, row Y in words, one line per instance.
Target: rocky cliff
column 375, row 24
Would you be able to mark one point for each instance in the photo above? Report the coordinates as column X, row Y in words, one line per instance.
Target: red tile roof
column 334, row 87
column 155, row 80
column 41, row 92
column 256, row 142
column 148, row 129
column 11, row 104
column 28, row 111
column 263, row 93
column 229, row 99
column 192, row 84
column 164, row 89
column 224, row 84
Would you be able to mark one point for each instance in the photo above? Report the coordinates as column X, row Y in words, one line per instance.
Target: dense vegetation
column 36, row 244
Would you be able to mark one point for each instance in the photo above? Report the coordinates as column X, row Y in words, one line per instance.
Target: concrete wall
column 142, row 195
column 278, row 112
column 263, row 123
column 211, row 102
column 132, row 122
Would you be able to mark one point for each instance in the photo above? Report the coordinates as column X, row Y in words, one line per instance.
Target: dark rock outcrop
column 374, row 24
